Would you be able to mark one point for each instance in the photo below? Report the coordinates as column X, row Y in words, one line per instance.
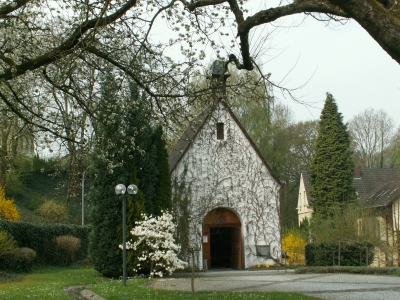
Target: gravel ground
column 326, row 286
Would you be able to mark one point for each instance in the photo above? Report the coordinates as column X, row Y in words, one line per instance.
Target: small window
column 220, row 131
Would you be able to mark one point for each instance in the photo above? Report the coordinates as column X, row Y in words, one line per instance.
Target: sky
column 342, row 60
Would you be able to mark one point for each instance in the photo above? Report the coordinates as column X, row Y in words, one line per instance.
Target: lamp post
column 120, row 190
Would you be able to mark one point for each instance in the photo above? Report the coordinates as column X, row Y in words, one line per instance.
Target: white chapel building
column 233, row 194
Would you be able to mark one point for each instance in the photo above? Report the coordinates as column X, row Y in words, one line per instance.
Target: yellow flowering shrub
column 8, row 210
column 265, row 266
column 293, row 247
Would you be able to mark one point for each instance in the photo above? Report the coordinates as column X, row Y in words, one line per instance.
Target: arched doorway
column 222, row 240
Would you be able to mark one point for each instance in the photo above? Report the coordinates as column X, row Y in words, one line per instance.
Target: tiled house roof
column 377, row 187
column 187, row 138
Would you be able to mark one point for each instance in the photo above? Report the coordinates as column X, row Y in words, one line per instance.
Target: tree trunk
column 192, row 277
column 4, row 156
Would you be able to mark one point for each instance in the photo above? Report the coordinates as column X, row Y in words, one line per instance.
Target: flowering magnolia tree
column 159, row 253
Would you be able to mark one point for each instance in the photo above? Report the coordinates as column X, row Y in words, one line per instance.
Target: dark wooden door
column 236, row 247
column 223, row 218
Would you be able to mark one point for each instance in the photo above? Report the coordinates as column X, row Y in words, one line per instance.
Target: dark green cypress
column 112, row 165
column 147, row 169
column 105, row 215
column 134, row 208
column 332, row 163
column 163, row 193
column 125, row 140
column 145, row 158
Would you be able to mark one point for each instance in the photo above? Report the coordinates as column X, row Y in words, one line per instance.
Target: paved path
column 325, row 286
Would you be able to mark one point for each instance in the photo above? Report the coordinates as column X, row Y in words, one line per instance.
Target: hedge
column 352, row 253
column 41, row 238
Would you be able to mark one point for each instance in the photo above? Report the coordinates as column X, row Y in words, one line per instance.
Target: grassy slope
column 40, row 187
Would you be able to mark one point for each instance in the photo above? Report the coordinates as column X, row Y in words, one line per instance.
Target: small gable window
column 220, row 131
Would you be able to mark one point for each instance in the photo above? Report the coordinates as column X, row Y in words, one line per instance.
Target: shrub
column 22, row 259
column 67, row 246
column 352, row 253
column 159, row 254
column 293, row 247
column 350, row 270
column 7, row 243
column 53, row 211
column 8, row 210
column 15, row 186
column 41, row 238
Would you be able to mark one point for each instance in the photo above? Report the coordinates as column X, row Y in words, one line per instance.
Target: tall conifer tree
column 106, row 216
column 163, row 193
column 127, row 150
column 332, row 163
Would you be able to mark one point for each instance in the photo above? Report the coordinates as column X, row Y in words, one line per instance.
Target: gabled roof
column 374, row 187
column 378, row 187
column 187, row 138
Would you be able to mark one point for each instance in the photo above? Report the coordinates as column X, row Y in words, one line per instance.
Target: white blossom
column 157, row 234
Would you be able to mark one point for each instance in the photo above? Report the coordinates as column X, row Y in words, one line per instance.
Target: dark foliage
column 332, row 164
column 351, row 270
column 136, row 145
column 163, row 199
column 351, row 254
column 41, row 238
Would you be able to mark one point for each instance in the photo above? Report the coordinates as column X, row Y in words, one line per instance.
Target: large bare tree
column 371, row 133
column 49, row 45
column 38, row 35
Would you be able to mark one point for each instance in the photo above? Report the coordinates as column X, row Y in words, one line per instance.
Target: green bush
column 15, row 185
column 352, row 253
column 23, row 163
column 53, row 211
column 42, row 239
column 67, row 247
column 22, row 259
column 7, row 243
column 350, row 270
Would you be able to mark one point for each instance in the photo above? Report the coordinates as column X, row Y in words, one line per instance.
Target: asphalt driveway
column 325, row 286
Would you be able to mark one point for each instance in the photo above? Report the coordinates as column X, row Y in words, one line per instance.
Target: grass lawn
column 48, row 284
